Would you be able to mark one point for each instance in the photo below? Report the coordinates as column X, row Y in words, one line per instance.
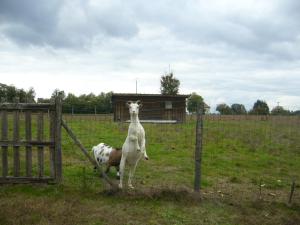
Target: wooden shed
column 156, row 107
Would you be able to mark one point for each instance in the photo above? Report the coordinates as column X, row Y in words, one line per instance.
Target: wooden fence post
column 16, row 139
column 40, row 137
column 4, row 137
column 198, row 147
column 52, row 139
column 28, row 134
column 58, row 153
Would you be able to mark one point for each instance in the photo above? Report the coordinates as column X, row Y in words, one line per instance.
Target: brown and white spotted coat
column 107, row 155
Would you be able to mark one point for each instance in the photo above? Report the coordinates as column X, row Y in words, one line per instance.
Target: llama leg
column 122, row 171
column 145, row 155
column 143, row 144
column 130, row 177
column 131, row 174
column 138, row 147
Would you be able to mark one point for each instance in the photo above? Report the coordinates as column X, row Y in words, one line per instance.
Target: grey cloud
column 63, row 23
column 252, row 33
column 80, row 23
column 228, row 53
column 37, row 14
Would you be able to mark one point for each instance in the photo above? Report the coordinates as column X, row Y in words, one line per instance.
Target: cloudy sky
column 228, row 51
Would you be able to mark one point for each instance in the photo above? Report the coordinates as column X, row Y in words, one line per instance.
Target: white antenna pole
column 136, row 85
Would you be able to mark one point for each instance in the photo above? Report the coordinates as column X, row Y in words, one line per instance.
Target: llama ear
column 139, row 103
column 128, row 103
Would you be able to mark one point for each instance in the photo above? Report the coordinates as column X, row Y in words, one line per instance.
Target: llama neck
column 134, row 118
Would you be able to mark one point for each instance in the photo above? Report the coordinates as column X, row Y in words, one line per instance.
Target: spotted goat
column 107, row 155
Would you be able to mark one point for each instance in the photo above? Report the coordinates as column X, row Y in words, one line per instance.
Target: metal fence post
column 198, row 147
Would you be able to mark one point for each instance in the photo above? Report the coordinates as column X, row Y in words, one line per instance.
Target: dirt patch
column 165, row 193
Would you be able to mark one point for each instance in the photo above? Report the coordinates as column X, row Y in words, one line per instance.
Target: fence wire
column 251, row 157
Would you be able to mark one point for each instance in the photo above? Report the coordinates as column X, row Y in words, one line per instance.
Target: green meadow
column 248, row 165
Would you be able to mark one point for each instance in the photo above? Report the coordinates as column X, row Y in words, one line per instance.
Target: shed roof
column 148, row 95
column 153, row 95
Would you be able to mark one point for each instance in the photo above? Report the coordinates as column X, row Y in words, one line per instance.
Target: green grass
column 239, row 154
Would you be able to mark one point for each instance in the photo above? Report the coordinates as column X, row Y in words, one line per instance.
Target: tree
column 224, row 109
column 193, row 102
column 238, row 109
column 56, row 93
column 279, row 110
column 8, row 93
column 106, row 102
column 89, row 103
column 260, row 108
column 169, row 85
column 30, row 95
column 43, row 100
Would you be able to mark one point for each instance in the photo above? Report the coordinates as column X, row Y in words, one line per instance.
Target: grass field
column 247, row 170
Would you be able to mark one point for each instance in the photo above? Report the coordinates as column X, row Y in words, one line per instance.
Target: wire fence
column 255, row 157
column 244, row 158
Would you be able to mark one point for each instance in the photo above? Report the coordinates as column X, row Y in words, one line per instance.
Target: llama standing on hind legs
column 134, row 146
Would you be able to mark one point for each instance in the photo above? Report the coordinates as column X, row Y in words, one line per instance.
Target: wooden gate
column 30, row 143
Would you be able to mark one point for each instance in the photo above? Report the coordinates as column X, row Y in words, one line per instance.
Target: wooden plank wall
column 153, row 109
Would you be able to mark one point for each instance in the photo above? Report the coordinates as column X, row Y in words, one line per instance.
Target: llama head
column 134, row 107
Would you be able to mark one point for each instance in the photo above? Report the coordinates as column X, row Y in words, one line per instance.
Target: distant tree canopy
column 90, row 103
column 56, row 93
column 101, row 103
column 260, row 108
column 238, row 109
column 296, row 113
column 9, row 93
column 169, row 85
column 193, row 102
column 224, row 109
column 279, row 110
column 83, row 104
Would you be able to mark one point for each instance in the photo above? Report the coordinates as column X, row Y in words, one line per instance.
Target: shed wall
column 153, row 108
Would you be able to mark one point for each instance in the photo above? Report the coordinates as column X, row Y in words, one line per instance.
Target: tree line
column 82, row 104
column 88, row 104
column 260, row 107
column 101, row 103
column 9, row 93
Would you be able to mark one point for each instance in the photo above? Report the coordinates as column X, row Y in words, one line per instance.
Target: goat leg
column 107, row 169
column 118, row 172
